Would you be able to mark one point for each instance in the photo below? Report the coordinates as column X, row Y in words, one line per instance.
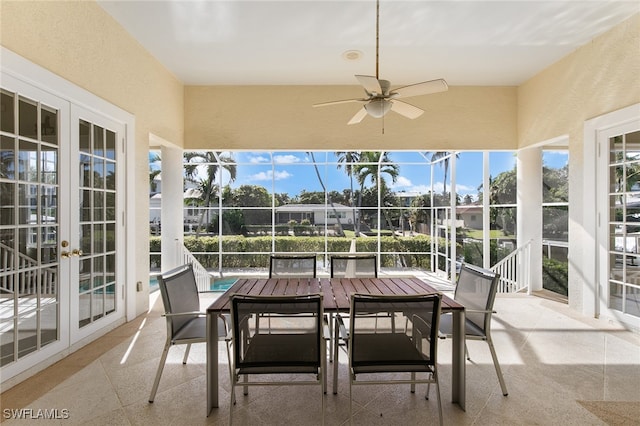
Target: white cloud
column 286, row 159
column 401, row 182
column 269, row 175
column 258, row 159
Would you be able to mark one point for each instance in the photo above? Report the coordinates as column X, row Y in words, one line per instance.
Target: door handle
column 68, row 254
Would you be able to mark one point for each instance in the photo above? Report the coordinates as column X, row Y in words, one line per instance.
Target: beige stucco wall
column 282, row 117
column 598, row 78
column 80, row 42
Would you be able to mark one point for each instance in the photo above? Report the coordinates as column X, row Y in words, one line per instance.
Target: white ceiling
column 216, row 42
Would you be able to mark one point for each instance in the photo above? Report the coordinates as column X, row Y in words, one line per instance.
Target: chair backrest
column 354, row 266
column 476, row 290
column 378, row 335
column 292, row 337
column 292, row 265
column 179, row 292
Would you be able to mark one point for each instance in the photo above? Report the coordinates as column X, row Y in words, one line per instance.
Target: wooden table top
column 335, row 292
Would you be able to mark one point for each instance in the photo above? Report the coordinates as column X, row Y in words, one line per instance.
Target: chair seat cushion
column 471, row 329
column 281, row 353
column 387, row 352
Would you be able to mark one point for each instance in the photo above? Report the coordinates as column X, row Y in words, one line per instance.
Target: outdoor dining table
column 336, row 294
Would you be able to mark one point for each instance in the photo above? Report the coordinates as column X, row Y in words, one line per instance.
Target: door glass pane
column 7, row 118
column 7, row 203
column 49, row 126
column 29, row 268
column 28, row 118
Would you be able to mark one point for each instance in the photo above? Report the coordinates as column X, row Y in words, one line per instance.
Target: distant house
column 406, row 197
column 191, row 214
column 470, row 215
column 315, row 213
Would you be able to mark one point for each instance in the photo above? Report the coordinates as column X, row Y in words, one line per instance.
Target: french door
column 619, row 212
column 60, row 267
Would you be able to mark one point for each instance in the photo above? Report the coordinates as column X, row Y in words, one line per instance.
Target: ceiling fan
column 380, row 98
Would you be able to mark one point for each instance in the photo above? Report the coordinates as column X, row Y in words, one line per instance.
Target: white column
column 529, row 178
column 172, row 207
column 486, row 209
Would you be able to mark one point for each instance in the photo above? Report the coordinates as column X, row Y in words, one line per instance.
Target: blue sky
column 294, row 171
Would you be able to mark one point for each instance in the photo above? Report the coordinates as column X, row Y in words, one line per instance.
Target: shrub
column 411, row 251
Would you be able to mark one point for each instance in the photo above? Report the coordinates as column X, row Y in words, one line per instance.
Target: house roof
column 309, row 207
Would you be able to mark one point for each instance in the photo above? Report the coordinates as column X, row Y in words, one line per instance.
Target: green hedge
column 410, row 249
column 555, row 276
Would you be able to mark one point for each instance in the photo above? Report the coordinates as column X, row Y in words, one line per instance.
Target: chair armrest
column 415, row 329
column 178, row 314
column 479, row 311
column 343, row 332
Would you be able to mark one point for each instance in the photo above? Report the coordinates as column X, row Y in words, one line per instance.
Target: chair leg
column 350, row 400
column 503, row 386
column 413, row 384
column 156, row 382
column 332, row 342
column 232, row 401
column 324, row 369
column 186, row 354
column 324, row 391
column 233, row 393
column 336, row 363
column 434, row 376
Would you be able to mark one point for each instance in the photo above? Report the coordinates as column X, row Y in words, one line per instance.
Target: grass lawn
column 477, row 234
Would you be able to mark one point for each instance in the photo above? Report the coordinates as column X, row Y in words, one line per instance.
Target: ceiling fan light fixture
column 377, row 108
column 352, row 55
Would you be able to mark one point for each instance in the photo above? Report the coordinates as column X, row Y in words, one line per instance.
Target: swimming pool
column 222, row 284
column 217, row 284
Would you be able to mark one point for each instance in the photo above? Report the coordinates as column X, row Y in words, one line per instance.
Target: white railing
column 29, row 277
column 514, row 270
column 203, row 277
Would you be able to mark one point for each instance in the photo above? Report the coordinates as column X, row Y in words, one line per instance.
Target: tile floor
column 560, row 369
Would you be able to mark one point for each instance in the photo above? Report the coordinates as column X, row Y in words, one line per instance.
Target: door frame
column 32, row 74
column 595, row 262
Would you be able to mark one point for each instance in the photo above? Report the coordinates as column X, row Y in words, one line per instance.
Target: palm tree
column 371, row 167
column 349, row 158
column 154, row 171
column 335, row 212
column 212, row 161
column 445, row 156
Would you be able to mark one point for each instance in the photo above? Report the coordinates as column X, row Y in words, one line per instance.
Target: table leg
column 458, row 374
column 212, row 362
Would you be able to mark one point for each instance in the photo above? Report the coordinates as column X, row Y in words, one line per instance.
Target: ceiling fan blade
column 424, row 88
column 345, row 101
column 370, row 84
column 360, row 115
column 406, row 109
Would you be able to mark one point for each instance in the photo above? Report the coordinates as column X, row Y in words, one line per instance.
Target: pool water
column 221, row 284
